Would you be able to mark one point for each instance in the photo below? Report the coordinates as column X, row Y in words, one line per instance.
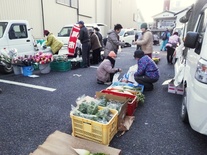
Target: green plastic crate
column 60, row 66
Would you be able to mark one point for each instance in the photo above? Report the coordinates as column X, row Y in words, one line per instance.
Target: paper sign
column 72, row 40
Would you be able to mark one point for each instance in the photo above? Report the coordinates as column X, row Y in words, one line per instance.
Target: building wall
column 21, row 10
column 57, row 15
column 123, row 12
column 48, row 14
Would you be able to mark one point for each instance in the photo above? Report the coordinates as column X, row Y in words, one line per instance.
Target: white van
column 127, row 36
column 64, row 35
column 194, row 77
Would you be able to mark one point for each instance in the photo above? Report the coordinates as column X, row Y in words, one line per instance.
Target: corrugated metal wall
column 57, row 15
column 23, row 10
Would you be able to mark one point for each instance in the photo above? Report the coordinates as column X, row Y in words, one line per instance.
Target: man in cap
column 147, row 72
column 146, row 41
column 85, row 41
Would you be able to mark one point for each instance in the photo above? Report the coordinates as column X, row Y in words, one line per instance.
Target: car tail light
column 201, row 71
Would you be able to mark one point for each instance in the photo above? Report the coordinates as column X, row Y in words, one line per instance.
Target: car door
column 19, row 38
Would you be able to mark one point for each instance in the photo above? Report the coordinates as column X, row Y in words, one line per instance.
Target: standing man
column 113, row 41
column 146, row 41
column 85, row 41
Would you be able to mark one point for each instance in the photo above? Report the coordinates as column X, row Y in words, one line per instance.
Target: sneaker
column 107, row 83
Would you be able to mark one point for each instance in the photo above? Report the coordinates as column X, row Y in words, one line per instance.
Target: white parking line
column 28, row 85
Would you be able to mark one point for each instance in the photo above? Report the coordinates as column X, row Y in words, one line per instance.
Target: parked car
column 65, row 31
column 127, row 36
column 194, row 74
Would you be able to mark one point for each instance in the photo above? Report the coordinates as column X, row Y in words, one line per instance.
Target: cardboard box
column 122, row 99
column 175, row 89
column 132, row 100
column 59, row 143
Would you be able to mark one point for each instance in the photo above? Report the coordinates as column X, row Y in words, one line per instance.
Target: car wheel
column 6, row 69
column 184, row 113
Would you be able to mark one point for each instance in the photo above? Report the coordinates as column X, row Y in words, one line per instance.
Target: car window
column 18, row 31
column 2, row 28
column 65, row 32
column 201, row 30
column 121, row 32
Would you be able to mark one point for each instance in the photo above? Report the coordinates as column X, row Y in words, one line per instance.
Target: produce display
column 90, row 110
column 60, row 58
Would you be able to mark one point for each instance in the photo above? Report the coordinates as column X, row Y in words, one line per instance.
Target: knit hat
column 112, row 54
column 144, row 25
column 46, row 32
column 138, row 54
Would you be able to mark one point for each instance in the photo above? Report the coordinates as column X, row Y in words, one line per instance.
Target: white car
column 127, row 36
column 194, row 76
column 64, row 35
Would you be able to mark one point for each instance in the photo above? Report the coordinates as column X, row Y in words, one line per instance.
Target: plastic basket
column 27, row 70
column 60, row 66
column 75, row 64
column 132, row 102
column 95, row 131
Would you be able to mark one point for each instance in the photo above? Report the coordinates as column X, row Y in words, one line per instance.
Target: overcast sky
column 150, row 8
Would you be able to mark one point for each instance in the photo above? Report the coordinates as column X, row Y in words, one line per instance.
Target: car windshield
column 121, row 33
column 65, row 32
column 2, row 28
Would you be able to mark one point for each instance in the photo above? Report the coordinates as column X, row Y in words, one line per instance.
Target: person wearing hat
column 113, row 41
column 147, row 72
column 146, row 41
column 85, row 41
column 53, row 42
column 100, row 37
column 106, row 70
column 95, row 46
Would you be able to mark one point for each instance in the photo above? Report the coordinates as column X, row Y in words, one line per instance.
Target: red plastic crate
column 131, row 106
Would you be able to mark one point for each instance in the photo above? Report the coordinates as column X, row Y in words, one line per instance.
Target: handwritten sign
column 72, row 40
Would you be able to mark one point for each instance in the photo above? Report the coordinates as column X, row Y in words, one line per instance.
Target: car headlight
column 201, row 71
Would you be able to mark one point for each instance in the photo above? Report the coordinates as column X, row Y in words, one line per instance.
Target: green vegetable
column 140, row 97
column 92, row 108
column 83, row 107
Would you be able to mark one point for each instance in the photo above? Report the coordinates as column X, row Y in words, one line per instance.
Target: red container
column 132, row 104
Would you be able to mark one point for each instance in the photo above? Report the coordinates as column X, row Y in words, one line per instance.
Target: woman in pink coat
column 172, row 43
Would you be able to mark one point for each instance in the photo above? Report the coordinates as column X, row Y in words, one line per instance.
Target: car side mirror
column 191, row 39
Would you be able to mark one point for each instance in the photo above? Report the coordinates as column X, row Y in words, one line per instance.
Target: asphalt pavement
column 29, row 115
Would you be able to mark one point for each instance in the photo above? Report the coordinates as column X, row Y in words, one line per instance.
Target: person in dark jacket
column 85, row 41
column 148, row 72
column 100, row 37
column 95, row 46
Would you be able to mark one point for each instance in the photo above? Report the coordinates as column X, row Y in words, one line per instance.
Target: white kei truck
column 191, row 72
column 17, row 34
